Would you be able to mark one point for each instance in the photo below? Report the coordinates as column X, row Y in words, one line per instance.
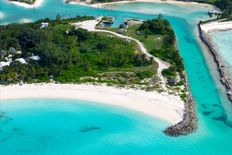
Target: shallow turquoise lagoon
column 223, row 42
column 70, row 127
column 48, row 126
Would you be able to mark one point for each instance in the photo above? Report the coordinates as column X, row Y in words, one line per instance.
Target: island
column 85, row 50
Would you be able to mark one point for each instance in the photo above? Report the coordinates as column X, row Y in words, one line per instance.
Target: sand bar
column 216, row 26
column 183, row 3
column 37, row 4
column 160, row 105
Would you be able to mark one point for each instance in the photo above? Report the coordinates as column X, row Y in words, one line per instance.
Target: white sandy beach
column 159, row 105
column 37, row 4
column 183, row 3
column 217, row 26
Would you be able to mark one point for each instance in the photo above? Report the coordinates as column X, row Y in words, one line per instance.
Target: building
column 21, row 60
column 215, row 12
column 44, row 25
column 121, row 31
column 3, row 64
column 35, row 58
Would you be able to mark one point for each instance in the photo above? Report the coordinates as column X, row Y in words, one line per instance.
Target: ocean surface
column 69, row 127
column 223, row 42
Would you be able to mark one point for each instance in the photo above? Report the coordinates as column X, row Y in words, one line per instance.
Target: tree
column 27, row 38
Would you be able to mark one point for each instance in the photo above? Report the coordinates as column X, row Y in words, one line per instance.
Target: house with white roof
column 21, row 60
column 43, row 25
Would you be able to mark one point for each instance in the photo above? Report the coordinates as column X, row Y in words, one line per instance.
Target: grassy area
column 150, row 41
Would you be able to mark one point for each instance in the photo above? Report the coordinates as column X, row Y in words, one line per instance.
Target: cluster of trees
column 158, row 26
column 66, row 53
column 224, row 5
column 168, row 51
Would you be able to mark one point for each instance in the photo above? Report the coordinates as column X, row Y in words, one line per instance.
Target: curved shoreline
column 159, row 105
column 183, row 3
column 37, row 4
column 204, row 29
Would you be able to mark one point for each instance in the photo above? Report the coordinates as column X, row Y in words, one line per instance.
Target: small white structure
column 35, row 57
column 21, row 60
column 19, row 52
column 43, row 25
column 215, row 12
column 3, row 64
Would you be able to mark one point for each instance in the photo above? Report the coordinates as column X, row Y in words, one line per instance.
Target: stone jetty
column 189, row 122
column 224, row 77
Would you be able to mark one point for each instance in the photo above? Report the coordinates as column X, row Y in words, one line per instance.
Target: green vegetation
column 224, row 5
column 150, row 41
column 25, row 1
column 72, row 55
column 159, row 39
column 168, row 51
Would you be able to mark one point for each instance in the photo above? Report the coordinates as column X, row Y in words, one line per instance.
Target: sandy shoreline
column 205, row 30
column 216, row 26
column 160, row 105
column 37, row 4
column 183, row 3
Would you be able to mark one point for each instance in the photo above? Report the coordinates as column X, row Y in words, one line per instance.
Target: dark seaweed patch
column 219, row 118
column 203, row 106
column 88, row 129
column 188, row 39
column 24, row 151
column 207, row 113
column 215, row 105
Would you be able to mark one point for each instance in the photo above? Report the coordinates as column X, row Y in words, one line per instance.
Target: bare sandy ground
column 182, row 3
column 217, row 26
column 159, row 105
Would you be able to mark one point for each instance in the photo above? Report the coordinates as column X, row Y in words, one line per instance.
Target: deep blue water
column 51, row 127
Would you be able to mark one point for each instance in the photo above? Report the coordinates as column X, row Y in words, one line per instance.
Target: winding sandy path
column 90, row 26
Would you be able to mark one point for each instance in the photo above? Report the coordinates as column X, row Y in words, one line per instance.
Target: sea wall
column 189, row 122
column 224, row 77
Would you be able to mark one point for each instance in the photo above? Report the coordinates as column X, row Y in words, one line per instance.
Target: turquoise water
column 70, row 127
column 223, row 42
column 138, row 134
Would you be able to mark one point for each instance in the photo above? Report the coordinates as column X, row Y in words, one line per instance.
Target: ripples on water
column 47, row 129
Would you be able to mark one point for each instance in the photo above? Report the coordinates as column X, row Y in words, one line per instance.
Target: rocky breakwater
column 224, row 76
column 189, row 122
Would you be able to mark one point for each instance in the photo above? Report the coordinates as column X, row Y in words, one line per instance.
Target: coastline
column 159, row 105
column 183, row 3
column 204, row 30
column 37, row 4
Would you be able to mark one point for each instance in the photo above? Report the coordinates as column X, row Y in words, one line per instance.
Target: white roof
column 21, row 60
column 3, row 63
column 35, row 57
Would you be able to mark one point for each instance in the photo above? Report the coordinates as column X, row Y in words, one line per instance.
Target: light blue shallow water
column 69, row 127
column 48, row 126
column 223, row 42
